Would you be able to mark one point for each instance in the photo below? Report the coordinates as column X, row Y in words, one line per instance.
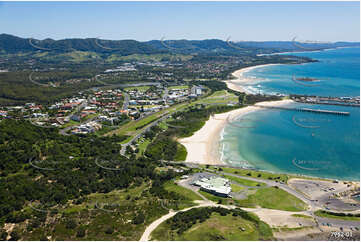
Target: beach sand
column 236, row 84
column 203, row 146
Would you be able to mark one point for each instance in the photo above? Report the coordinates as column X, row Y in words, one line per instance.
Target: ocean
column 319, row 145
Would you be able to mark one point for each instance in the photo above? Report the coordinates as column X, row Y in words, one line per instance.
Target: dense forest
column 40, row 166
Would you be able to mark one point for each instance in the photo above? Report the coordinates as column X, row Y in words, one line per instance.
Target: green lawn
column 244, row 181
column 273, row 198
column 186, row 193
column 181, row 154
column 236, row 188
column 217, row 227
column 215, row 198
column 178, row 87
column 134, row 127
column 140, row 88
column 143, row 146
column 70, row 123
column 219, row 97
column 256, row 174
column 341, row 216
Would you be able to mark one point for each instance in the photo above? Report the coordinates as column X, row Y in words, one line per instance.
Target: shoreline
column 304, row 51
column 237, row 84
column 203, row 146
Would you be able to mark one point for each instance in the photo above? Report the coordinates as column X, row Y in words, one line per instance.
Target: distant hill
column 14, row 44
column 294, row 45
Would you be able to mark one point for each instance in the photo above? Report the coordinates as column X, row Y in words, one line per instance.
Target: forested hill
column 14, row 44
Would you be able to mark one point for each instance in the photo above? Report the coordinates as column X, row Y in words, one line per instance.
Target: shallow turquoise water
column 319, row 145
column 338, row 71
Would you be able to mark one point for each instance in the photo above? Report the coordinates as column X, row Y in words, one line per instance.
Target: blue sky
column 325, row 21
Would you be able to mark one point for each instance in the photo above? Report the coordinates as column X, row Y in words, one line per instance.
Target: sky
column 258, row 21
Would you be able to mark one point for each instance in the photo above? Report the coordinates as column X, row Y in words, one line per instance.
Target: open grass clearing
column 186, row 193
column 273, row 198
column 236, row 188
column 178, row 87
column 341, row 216
column 138, row 88
column 245, row 182
column 217, row 227
column 252, row 173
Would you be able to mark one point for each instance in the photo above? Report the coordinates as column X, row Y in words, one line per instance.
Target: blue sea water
column 320, row 145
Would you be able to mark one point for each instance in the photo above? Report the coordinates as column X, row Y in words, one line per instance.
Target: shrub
column 70, row 224
column 80, row 233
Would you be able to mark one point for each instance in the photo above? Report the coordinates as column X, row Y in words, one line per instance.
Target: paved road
column 185, row 184
column 338, row 222
column 335, row 224
column 80, row 107
column 126, row 101
column 137, row 136
column 165, row 95
column 284, row 187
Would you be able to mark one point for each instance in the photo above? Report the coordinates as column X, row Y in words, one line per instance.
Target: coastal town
column 89, row 111
column 180, row 121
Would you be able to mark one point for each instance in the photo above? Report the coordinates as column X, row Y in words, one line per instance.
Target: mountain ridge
column 14, row 44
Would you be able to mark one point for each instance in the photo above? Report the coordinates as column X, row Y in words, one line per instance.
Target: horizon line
column 161, row 39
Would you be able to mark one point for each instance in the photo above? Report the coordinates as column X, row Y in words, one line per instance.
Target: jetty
column 322, row 111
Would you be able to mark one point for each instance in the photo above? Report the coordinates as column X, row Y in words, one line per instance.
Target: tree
column 14, row 236
column 109, row 230
column 3, row 235
column 70, row 224
column 81, row 232
column 139, row 219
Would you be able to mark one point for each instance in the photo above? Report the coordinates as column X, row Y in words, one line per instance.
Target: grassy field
column 181, row 154
column 236, row 188
column 178, row 87
column 134, row 127
column 245, row 182
column 186, row 193
column 139, row 89
column 143, row 146
column 70, row 123
column 286, row 229
column 256, row 174
column 273, row 198
column 217, row 199
column 326, row 214
column 219, row 97
column 217, row 227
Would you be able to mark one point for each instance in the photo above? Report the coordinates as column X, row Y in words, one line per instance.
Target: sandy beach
column 236, row 84
column 203, row 145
